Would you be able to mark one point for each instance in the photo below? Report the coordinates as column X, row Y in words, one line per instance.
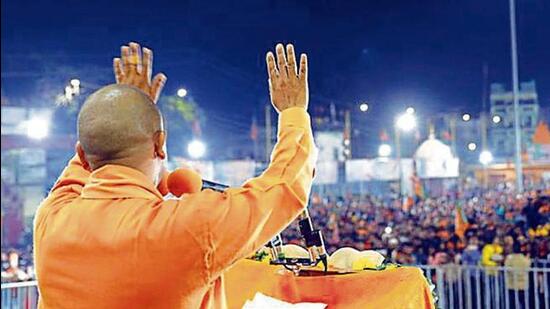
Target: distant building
column 462, row 134
column 501, row 118
column 467, row 144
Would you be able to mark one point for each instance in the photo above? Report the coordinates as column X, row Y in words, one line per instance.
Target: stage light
column 384, row 150
column 196, row 149
column 466, row 117
column 497, row 119
column 410, row 110
column 37, row 128
column 182, row 92
column 364, row 107
column 485, row 157
column 406, row 122
column 472, row 146
column 75, row 82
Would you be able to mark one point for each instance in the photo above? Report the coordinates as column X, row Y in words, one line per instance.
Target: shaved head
column 118, row 124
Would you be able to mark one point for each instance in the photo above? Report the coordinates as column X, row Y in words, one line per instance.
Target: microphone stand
column 314, row 242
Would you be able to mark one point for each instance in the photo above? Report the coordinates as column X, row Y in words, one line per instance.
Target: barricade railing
column 469, row 287
column 456, row 286
column 20, row 295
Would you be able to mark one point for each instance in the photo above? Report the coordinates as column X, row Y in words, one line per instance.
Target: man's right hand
column 134, row 71
column 287, row 86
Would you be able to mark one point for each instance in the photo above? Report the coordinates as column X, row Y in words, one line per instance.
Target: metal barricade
column 457, row 286
column 20, row 295
column 471, row 287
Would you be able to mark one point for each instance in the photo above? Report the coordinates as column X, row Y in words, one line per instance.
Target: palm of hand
column 288, row 86
column 288, row 93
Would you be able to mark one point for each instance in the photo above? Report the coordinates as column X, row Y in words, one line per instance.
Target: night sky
column 392, row 54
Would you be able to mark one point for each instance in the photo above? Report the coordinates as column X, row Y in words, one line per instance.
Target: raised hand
column 136, row 70
column 287, row 85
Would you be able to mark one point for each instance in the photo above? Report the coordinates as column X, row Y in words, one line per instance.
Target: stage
column 401, row 287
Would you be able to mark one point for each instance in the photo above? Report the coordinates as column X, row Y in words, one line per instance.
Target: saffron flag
column 417, row 184
column 447, row 135
column 461, row 222
column 384, row 137
column 418, row 188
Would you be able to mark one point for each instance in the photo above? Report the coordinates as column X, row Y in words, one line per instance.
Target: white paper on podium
column 262, row 301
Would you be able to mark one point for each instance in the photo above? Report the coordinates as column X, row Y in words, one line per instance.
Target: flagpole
column 452, row 124
column 518, row 165
column 483, row 122
column 347, row 133
column 398, row 155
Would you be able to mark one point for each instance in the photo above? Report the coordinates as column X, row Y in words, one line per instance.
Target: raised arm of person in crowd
column 137, row 72
column 240, row 220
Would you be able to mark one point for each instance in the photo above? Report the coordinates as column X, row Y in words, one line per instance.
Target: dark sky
column 428, row 54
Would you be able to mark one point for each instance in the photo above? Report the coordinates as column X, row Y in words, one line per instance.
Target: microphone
column 184, row 180
column 314, row 243
column 313, row 239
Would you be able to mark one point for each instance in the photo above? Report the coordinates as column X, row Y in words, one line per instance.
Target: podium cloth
column 402, row 287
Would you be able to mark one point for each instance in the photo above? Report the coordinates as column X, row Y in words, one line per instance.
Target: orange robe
column 109, row 240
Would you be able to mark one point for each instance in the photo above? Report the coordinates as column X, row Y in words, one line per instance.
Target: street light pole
column 483, row 125
column 398, row 156
column 515, row 92
column 405, row 122
column 347, row 134
column 452, row 125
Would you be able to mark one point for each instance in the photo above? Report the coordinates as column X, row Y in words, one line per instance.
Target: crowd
column 16, row 260
column 17, row 264
column 495, row 224
column 500, row 228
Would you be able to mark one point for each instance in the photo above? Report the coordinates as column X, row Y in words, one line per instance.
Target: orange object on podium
column 403, row 287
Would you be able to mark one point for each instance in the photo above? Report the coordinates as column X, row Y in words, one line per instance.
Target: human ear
column 160, row 141
column 82, row 157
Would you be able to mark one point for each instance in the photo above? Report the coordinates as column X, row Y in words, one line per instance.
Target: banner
column 330, row 145
column 380, row 169
column 326, row 172
column 366, row 170
column 204, row 168
column 234, row 173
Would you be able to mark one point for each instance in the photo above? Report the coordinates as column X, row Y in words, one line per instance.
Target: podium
column 402, row 287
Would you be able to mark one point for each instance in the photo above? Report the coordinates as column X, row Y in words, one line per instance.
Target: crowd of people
column 495, row 224
column 16, row 258
column 498, row 225
column 17, row 264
